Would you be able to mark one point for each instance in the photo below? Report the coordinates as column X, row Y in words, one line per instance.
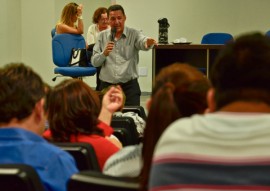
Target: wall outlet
column 143, row 71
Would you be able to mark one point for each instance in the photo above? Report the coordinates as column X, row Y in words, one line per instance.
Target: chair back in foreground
column 125, row 129
column 83, row 153
column 19, row 177
column 216, row 38
column 96, row 181
column 136, row 109
column 62, row 45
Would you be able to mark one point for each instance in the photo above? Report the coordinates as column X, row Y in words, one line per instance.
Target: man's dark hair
column 116, row 8
column 21, row 88
column 241, row 71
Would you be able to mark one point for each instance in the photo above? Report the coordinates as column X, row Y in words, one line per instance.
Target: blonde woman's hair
column 68, row 11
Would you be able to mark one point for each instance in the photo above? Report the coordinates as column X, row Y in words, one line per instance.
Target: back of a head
column 68, row 11
column 73, row 108
column 21, row 89
column 180, row 91
column 241, row 70
column 187, row 86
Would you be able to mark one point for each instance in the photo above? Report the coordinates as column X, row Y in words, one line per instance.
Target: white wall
column 37, row 20
column 26, row 25
column 10, row 31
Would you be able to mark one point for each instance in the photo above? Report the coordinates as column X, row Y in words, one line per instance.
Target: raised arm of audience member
column 71, row 20
column 112, row 101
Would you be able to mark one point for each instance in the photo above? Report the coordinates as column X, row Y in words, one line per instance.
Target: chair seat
column 75, row 71
column 62, row 45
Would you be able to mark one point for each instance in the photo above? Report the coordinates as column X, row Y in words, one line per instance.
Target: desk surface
column 189, row 46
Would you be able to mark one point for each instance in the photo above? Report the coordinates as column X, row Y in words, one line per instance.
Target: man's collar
column 124, row 34
column 125, row 31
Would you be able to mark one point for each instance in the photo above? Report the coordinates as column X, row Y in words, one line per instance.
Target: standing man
column 117, row 52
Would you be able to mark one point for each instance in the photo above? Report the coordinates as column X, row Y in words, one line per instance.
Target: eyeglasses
column 104, row 20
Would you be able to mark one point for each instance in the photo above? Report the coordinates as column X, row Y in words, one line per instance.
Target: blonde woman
column 71, row 20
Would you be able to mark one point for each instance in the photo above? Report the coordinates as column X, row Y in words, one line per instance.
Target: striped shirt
column 218, row 151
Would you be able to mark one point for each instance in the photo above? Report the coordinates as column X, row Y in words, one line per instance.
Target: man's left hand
column 150, row 42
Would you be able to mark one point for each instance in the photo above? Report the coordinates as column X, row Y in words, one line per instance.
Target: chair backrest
column 136, row 109
column 216, row 38
column 83, row 153
column 62, row 44
column 53, row 32
column 14, row 177
column 125, row 130
column 90, row 180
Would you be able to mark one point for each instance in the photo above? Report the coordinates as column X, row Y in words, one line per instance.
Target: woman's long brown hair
column 180, row 91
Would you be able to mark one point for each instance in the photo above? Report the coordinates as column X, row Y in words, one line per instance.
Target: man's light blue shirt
column 121, row 64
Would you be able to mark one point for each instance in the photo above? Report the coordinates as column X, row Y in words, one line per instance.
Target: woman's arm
column 64, row 28
column 112, row 101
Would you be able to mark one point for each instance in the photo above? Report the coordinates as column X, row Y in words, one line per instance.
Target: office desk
column 198, row 55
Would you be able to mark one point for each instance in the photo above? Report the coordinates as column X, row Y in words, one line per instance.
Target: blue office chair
column 53, row 32
column 62, row 44
column 216, row 38
column 267, row 33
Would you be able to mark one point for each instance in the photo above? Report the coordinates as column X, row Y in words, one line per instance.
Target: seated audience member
column 227, row 149
column 180, row 91
column 71, row 20
column 75, row 115
column 100, row 23
column 22, row 124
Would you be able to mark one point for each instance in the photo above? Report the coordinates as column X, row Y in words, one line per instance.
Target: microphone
column 113, row 32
